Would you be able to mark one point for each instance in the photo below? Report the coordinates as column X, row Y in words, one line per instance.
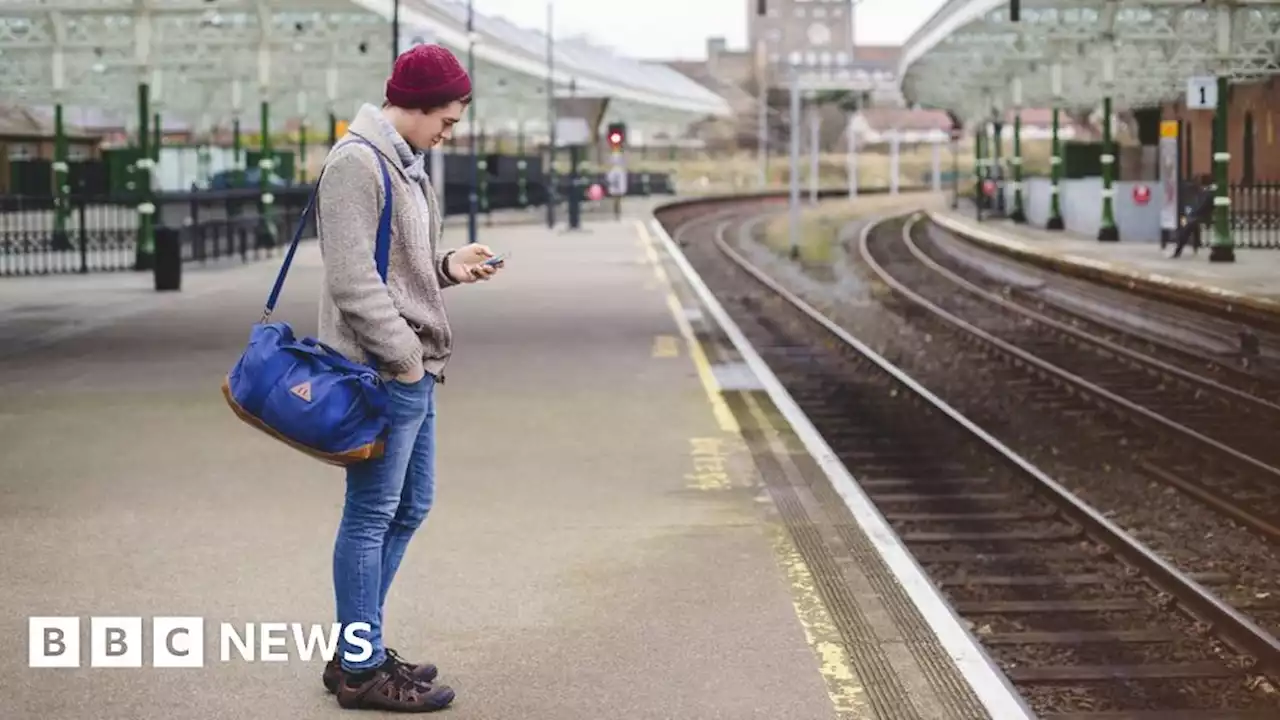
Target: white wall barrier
column 1081, row 203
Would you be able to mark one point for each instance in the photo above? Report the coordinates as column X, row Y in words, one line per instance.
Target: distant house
column 869, row 70
column 28, row 134
column 875, row 125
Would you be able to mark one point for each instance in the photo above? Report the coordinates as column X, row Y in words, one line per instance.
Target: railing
column 1255, row 215
column 100, row 234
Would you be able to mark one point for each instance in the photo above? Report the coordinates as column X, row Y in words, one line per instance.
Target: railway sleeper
column 968, row 516
column 1026, row 580
column 1050, row 674
column 923, row 537
column 1163, row 715
column 1054, row 607
column 1079, row 637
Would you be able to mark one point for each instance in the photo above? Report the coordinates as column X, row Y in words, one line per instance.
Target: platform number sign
column 1202, row 93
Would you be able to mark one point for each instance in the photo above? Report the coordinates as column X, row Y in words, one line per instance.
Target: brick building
column 813, row 37
column 1253, row 123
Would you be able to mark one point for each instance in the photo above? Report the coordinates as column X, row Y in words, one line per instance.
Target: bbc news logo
column 179, row 642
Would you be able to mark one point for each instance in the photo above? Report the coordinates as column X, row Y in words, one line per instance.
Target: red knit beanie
column 427, row 76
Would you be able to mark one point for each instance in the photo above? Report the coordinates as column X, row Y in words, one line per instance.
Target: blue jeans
column 387, row 500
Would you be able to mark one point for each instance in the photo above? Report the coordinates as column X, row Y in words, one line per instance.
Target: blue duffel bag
column 303, row 392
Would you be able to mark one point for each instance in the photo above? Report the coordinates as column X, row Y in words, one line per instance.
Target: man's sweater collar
column 414, row 163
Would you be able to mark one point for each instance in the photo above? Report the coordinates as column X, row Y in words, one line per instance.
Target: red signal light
column 615, row 138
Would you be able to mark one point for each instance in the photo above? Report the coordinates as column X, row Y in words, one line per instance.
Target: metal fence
column 100, row 233
column 1255, row 215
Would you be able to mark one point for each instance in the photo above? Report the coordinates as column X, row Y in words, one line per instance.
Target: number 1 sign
column 1202, row 93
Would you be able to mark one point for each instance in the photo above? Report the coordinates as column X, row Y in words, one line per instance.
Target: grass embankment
column 820, row 224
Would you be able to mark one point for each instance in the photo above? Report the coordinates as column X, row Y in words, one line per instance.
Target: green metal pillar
column 333, row 130
column 266, row 163
column 61, row 182
column 1019, row 214
column 482, row 176
column 1055, row 173
column 522, row 175
column 156, row 138
column 1223, row 247
column 144, row 248
column 237, row 152
column 997, row 169
column 979, row 163
column 1108, row 232
column 203, row 160
column 302, row 152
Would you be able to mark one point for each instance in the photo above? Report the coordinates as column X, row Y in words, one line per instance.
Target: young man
column 399, row 327
column 1199, row 212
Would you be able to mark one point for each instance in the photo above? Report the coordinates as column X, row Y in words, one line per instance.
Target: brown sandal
column 396, row 691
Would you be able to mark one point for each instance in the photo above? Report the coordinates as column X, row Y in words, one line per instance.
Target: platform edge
column 1155, row 284
column 984, row 677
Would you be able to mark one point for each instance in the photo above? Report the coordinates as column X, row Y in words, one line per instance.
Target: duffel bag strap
column 382, row 247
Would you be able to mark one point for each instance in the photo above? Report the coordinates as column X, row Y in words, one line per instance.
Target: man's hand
column 466, row 264
column 413, row 376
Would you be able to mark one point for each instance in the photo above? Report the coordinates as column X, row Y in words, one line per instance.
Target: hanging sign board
column 1168, row 172
column 572, row 131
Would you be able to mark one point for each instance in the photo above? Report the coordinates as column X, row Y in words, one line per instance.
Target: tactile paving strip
column 882, row 681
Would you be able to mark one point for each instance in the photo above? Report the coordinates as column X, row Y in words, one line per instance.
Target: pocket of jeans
column 393, row 382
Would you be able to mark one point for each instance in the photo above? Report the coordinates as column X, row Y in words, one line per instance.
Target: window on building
column 22, row 151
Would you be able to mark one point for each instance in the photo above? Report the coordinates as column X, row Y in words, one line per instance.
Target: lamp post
column 551, row 123
column 473, row 198
column 395, row 32
column 793, row 224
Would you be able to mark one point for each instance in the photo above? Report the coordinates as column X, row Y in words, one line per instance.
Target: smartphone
column 497, row 259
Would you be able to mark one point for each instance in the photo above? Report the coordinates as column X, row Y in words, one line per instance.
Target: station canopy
column 972, row 58
column 208, row 61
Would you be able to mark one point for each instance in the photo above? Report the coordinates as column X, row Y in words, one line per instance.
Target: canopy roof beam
column 971, row 46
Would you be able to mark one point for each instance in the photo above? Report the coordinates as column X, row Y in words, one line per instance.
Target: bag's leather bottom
column 365, row 452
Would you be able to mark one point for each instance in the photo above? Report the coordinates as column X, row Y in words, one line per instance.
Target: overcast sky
column 679, row 28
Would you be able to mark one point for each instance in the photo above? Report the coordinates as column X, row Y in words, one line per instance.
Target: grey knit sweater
column 396, row 326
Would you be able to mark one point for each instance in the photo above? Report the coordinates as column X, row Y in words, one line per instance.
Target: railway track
column 1085, row 621
column 1210, row 440
column 1223, row 349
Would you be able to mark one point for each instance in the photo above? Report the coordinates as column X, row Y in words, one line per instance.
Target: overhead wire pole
column 395, row 32
column 762, row 141
column 551, row 124
column 473, row 198
column 762, row 89
column 794, row 216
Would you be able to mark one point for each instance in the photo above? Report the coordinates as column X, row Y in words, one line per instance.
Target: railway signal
column 617, row 136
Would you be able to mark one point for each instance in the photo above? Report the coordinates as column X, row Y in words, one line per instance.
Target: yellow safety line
column 844, row 687
column 724, row 416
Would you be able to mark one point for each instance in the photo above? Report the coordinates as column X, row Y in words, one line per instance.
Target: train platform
column 604, row 542
column 1247, row 286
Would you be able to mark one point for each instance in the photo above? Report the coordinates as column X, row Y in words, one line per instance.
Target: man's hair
column 465, row 100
